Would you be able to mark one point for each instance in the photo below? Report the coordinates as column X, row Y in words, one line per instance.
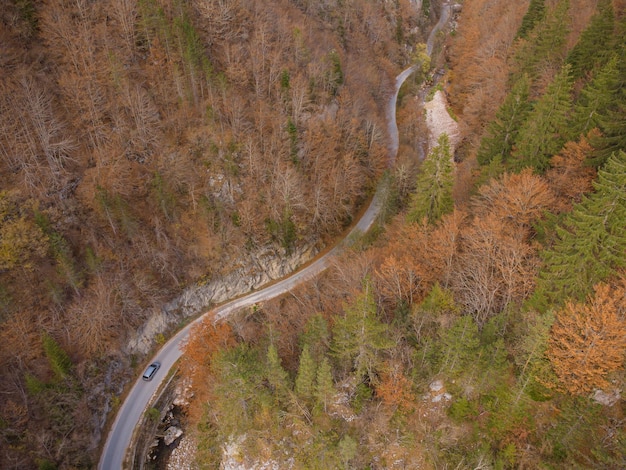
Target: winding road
column 140, row 396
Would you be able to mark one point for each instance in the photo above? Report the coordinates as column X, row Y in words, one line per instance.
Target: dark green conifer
column 551, row 40
column 359, row 336
column 593, row 49
column 316, row 337
column 324, row 385
column 502, row 131
column 277, row 377
column 305, row 379
column 545, row 45
column 612, row 122
column 591, row 242
column 459, row 345
column 613, row 138
column 433, row 194
column 596, row 100
column 60, row 362
column 545, row 130
column 535, row 13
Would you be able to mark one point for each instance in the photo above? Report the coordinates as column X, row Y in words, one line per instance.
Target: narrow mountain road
column 446, row 11
column 140, row 396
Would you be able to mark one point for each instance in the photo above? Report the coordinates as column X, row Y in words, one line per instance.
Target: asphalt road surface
column 140, row 396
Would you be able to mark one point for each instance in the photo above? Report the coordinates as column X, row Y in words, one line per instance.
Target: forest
column 151, row 145
column 147, row 145
column 484, row 325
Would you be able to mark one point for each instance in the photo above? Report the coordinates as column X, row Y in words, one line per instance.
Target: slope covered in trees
column 146, row 145
column 488, row 335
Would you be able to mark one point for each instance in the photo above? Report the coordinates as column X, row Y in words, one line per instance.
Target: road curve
column 140, row 396
column 446, row 11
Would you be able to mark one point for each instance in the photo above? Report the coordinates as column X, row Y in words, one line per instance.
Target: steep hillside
column 483, row 332
column 146, row 145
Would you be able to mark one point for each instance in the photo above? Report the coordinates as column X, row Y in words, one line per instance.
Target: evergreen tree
column 305, row 379
column 316, row 337
column 530, row 354
column 277, row 377
column 613, row 122
column 347, row 448
column 359, row 336
column 613, row 139
column 459, row 345
column 503, row 130
column 551, row 40
column 433, row 195
column 544, row 46
column 60, row 362
column 596, row 100
column 591, row 241
column 544, row 132
column 324, row 385
column 335, row 75
column 593, row 49
column 237, row 389
column 535, row 13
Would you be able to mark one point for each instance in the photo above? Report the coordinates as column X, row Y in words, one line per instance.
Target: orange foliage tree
column 570, row 175
column 588, row 341
column 417, row 256
column 480, row 49
column 496, row 263
column 399, row 277
column 517, row 200
column 394, row 388
column 205, row 340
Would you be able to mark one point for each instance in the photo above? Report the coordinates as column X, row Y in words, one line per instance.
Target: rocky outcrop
column 257, row 269
column 438, row 392
column 182, row 457
column 438, row 121
column 607, row 398
column 171, row 434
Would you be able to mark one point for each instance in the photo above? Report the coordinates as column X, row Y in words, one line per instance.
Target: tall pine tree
column 613, row 121
column 59, row 360
column 613, row 126
column 305, row 379
column 324, row 389
column 276, row 376
column 503, row 130
column 596, row 100
column 594, row 49
column 545, row 130
column 591, row 241
column 544, row 47
column 433, row 195
column 535, row 13
column 359, row 336
column 315, row 337
column 459, row 345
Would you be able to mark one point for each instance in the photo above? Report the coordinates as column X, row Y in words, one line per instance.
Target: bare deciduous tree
column 93, row 321
column 125, row 12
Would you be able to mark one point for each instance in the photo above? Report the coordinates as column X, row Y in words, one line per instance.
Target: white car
column 151, row 370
